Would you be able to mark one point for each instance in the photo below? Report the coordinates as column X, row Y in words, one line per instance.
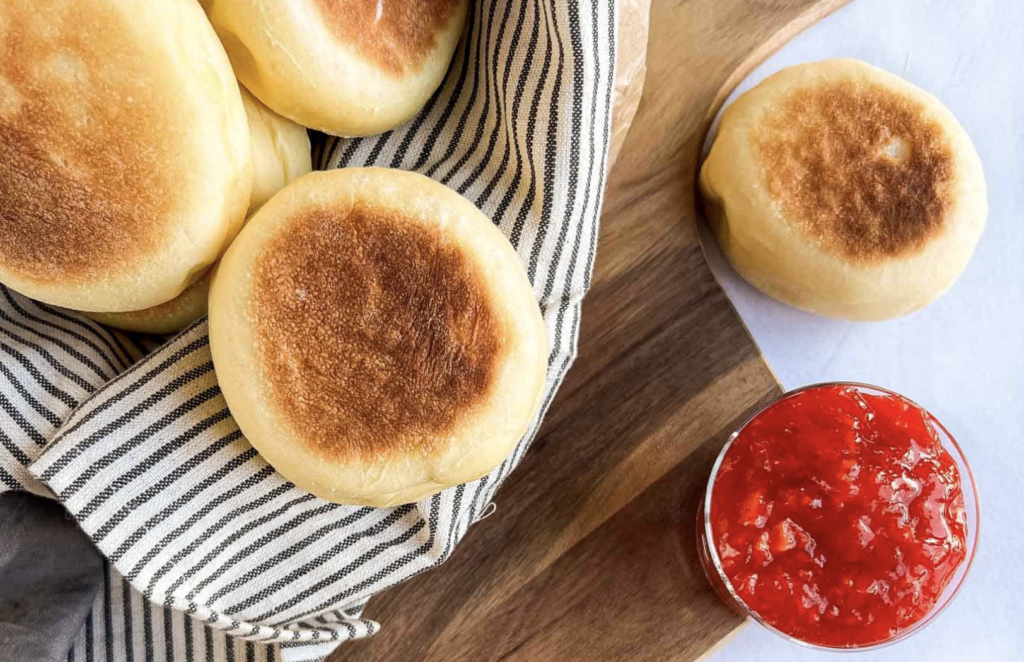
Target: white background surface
column 963, row 356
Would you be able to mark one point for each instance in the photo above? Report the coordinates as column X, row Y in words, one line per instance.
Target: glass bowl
column 712, row 565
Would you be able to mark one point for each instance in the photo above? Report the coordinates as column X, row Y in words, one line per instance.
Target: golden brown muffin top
column 858, row 167
column 396, row 35
column 85, row 171
column 376, row 334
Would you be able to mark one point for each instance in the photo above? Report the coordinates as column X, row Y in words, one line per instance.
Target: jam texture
column 838, row 517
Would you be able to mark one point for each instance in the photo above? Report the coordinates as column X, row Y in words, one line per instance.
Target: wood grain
column 591, row 553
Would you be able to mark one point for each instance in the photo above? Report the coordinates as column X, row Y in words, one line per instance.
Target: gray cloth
column 43, row 554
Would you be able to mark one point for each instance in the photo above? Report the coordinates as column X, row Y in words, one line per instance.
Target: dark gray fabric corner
column 43, row 554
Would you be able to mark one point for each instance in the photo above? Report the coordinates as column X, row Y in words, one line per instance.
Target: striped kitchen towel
column 212, row 555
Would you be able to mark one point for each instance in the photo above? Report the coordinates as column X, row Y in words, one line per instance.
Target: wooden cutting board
column 591, row 555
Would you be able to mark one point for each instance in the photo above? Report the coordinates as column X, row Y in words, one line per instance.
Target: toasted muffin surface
column 858, row 167
column 376, row 333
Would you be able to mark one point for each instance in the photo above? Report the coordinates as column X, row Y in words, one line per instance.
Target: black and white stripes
column 123, row 626
column 50, row 360
column 212, row 553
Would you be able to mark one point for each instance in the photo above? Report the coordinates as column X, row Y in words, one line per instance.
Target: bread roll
column 280, row 153
column 376, row 337
column 124, row 151
column 844, row 190
column 169, row 317
column 280, row 150
column 347, row 67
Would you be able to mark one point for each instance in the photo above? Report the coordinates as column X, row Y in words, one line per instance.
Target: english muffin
column 376, row 337
column 124, row 151
column 169, row 317
column 347, row 67
column 844, row 190
column 280, row 150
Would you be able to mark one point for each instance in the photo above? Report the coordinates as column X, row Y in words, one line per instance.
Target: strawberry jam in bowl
column 840, row 516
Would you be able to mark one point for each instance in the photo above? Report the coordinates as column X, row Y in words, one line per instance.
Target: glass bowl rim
column 715, row 562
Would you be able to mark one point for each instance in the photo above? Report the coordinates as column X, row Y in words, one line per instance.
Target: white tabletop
column 963, row 356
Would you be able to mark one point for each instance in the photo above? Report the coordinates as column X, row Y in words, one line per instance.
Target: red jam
column 838, row 517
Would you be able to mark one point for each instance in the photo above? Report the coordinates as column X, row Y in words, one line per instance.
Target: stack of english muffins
column 375, row 336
